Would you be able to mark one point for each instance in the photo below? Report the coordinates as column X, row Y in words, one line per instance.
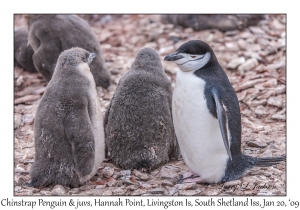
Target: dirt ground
column 255, row 62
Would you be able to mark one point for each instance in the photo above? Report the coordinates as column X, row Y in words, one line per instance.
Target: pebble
column 107, row 172
column 233, row 64
column 27, row 98
column 140, row 175
column 259, row 102
column 185, row 186
column 190, row 192
column 125, row 173
column 111, row 183
column 17, row 121
column 107, row 192
column 58, row 190
column 157, row 191
column 74, row 191
column 119, row 191
column 165, row 182
column 168, row 172
column 233, row 183
column 250, row 64
column 19, row 81
column 257, row 144
column 278, row 117
column 139, row 192
column 275, row 101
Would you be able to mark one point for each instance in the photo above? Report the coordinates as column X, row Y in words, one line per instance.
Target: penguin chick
column 138, row 123
column 22, row 50
column 68, row 128
column 207, row 118
column 49, row 35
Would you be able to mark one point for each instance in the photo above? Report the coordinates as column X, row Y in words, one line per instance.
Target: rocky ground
column 255, row 62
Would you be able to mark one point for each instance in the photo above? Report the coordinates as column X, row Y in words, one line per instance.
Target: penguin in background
column 49, row 35
column 22, row 50
column 68, row 128
column 207, row 118
column 139, row 131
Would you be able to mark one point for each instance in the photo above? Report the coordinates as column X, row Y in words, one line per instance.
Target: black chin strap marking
column 193, row 60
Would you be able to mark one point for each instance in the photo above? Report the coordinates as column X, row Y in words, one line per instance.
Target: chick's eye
column 84, row 59
column 193, row 56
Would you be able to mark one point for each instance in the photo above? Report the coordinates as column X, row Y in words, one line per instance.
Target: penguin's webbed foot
column 189, row 177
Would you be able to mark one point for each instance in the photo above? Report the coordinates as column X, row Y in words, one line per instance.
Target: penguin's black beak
column 91, row 57
column 173, row 57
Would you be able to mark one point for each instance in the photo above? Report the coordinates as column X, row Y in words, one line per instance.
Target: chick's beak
column 173, row 57
column 91, row 57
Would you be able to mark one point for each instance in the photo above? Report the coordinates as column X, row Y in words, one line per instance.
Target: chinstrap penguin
column 207, row 118
column 68, row 127
column 139, row 131
column 49, row 35
column 22, row 50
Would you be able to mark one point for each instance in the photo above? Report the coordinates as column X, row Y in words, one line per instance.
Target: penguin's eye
column 193, row 56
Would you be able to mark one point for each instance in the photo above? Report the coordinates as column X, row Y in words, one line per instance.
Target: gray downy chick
column 138, row 123
column 22, row 50
column 49, row 35
column 68, row 128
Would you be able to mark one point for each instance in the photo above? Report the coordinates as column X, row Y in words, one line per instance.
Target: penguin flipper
column 223, row 122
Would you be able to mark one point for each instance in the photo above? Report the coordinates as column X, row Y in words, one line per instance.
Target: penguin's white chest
column 197, row 131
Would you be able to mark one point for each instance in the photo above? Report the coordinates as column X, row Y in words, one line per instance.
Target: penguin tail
column 268, row 161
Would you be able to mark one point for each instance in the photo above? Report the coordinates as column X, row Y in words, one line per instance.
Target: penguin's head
column 191, row 56
column 73, row 61
column 75, row 56
column 147, row 59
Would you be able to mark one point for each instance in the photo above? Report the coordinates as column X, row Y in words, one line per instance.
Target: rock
column 259, row 102
column 234, row 63
column 242, row 44
column 278, row 117
column 280, row 89
column 125, row 173
column 45, row 192
column 248, row 84
column 19, row 81
column 168, row 172
column 107, row 172
column 107, row 193
column 139, row 192
column 157, row 191
column 275, row 101
column 233, row 183
column 130, row 182
column 74, row 191
column 111, row 183
column 250, row 64
column 119, row 191
column 140, row 175
column 27, row 98
column 17, row 121
column 114, row 71
column 132, row 187
column 28, row 119
column 58, row 190
column 261, row 110
column 185, row 186
column 256, row 30
column 258, row 144
column 166, row 183
column 190, row 192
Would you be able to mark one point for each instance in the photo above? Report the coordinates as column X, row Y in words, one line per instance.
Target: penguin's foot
column 189, row 177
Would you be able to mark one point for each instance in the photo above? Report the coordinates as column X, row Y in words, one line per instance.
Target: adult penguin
column 207, row 118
